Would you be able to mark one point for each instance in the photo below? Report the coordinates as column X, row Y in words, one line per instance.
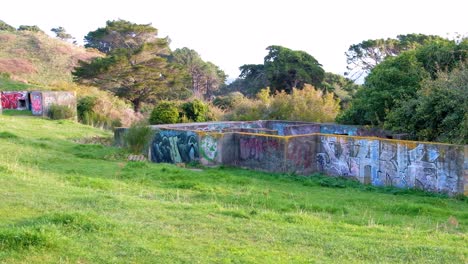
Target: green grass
column 7, row 84
column 64, row 202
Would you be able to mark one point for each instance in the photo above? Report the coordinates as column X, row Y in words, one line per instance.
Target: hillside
column 64, row 201
column 38, row 58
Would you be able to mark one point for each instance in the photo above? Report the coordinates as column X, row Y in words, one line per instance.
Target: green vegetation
column 308, row 104
column 7, row 84
column 420, row 90
column 195, row 110
column 137, row 137
column 164, row 113
column 62, row 201
column 57, row 112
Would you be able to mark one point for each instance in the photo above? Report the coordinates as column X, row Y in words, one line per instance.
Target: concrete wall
column 57, row 98
column 381, row 162
column 407, row 164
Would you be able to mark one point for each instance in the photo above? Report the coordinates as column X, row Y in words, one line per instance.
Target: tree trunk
column 136, row 105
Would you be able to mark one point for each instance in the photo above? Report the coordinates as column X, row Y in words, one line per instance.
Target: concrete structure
column 38, row 102
column 369, row 155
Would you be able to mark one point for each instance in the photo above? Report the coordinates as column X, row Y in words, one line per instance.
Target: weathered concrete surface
column 371, row 160
column 57, row 98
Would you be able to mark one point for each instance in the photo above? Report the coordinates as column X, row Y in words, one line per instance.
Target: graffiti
column 174, row 146
column 209, row 148
column 338, row 129
column 257, row 148
column 387, row 163
column 379, row 162
column 36, row 103
column 335, row 159
column 14, row 100
column 300, row 153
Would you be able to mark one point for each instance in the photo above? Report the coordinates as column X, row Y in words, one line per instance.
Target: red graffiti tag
column 10, row 100
column 36, row 104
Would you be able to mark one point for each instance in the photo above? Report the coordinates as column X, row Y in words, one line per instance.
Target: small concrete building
column 38, row 102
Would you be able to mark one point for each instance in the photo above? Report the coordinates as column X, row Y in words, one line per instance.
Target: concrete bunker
column 37, row 102
column 369, row 155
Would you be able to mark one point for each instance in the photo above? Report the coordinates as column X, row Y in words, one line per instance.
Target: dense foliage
column 283, row 69
column 164, row 113
column 439, row 112
column 421, row 92
column 195, row 110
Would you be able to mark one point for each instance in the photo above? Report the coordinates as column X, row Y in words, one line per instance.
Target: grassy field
column 69, row 202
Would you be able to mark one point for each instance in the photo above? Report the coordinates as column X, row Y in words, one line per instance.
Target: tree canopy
column 118, row 34
column 206, row 77
column 283, row 69
column 363, row 57
column 61, row 33
column 421, row 92
column 136, row 67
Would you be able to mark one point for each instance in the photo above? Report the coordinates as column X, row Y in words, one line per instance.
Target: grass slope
column 65, row 202
column 38, row 58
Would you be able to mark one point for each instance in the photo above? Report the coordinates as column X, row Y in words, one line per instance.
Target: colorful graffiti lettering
column 10, row 100
column 174, row 146
column 36, row 103
column 209, row 147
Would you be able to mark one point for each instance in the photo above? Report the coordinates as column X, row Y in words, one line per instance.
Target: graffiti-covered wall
column 38, row 102
column 173, row 146
column 431, row 167
column 300, row 148
column 57, row 98
column 15, row 100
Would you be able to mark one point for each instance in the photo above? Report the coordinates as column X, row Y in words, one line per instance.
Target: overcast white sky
column 231, row 33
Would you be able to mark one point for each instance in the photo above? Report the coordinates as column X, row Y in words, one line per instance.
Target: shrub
column 195, row 110
column 307, row 104
column 137, row 137
column 60, row 112
column 229, row 101
column 164, row 113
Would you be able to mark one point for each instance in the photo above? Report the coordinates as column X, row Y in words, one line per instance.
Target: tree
column 138, row 75
column 342, row 87
column 120, row 34
column 206, row 77
column 5, row 27
column 439, row 112
column 395, row 79
column 30, row 28
column 398, row 78
column 287, row 69
column 61, row 33
column 363, row 57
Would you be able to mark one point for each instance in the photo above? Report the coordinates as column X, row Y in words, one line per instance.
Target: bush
column 57, row 112
column 195, row 110
column 164, row 113
column 88, row 116
column 137, row 137
column 229, row 101
column 307, row 104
